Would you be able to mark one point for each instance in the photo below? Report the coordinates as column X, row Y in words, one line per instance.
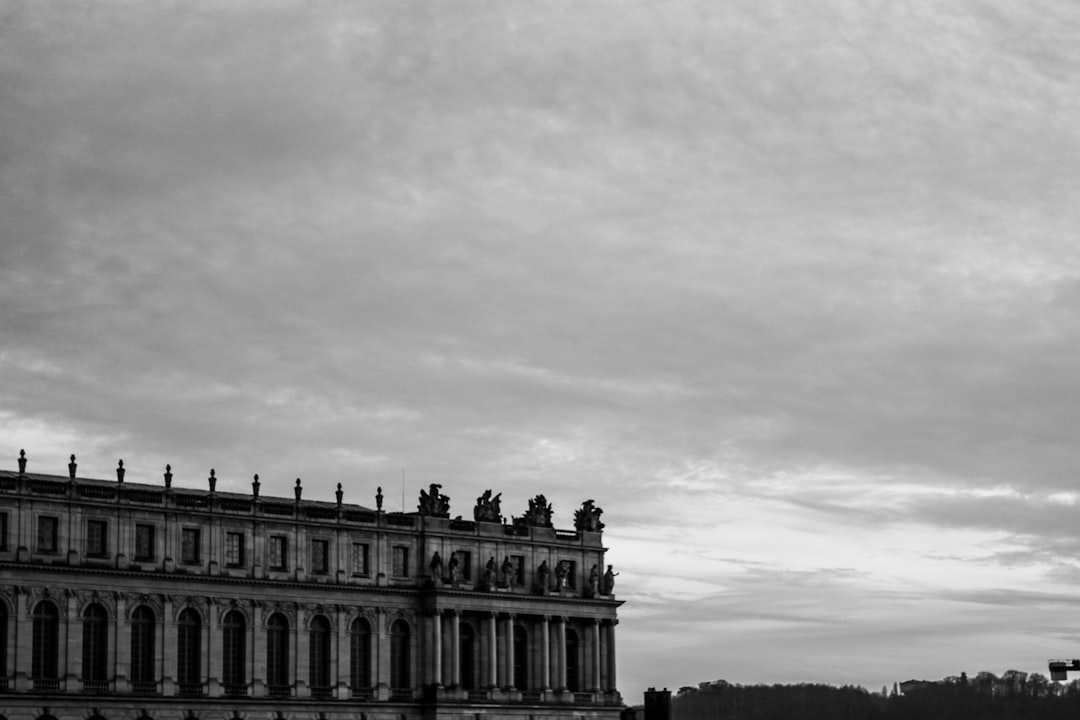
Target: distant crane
column 1060, row 668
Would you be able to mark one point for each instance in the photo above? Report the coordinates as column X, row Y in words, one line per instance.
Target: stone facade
column 152, row 602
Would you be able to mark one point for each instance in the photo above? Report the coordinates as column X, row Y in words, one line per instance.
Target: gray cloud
column 680, row 257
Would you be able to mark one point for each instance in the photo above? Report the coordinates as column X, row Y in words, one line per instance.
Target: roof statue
column 487, row 508
column 433, row 502
column 538, row 514
column 587, row 517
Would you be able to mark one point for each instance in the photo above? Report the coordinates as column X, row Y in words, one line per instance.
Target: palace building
column 136, row 601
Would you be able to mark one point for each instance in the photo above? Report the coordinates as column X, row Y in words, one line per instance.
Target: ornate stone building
column 153, row 602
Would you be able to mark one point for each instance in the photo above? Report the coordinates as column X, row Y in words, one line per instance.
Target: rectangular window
column 189, row 545
column 465, row 564
column 360, row 559
column 144, row 542
column 96, row 538
column 279, row 558
column 400, row 566
column 234, row 549
column 3, row 531
column 518, row 561
column 47, row 533
column 320, row 556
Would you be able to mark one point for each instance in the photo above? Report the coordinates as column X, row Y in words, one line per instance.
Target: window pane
column 144, row 542
column 401, row 562
column 234, row 549
column 189, row 545
column 320, row 556
column 360, row 655
column 189, row 648
column 95, row 537
column 47, row 534
column 360, row 559
column 142, row 645
column 278, row 555
column 399, row 656
column 233, row 638
column 95, row 644
column 319, row 653
column 43, row 660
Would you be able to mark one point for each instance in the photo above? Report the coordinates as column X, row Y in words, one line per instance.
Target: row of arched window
column 234, row 647
column 45, row 651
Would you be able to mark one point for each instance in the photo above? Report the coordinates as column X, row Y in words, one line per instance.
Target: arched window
column 233, row 659
column 189, row 652
column 143, row 625
column 277, row 654
column 43, row 660
column 319, row 656
column 467, row 661
column 521, row 658
column 573, row 665
column 360, row 656
column 400, row 678
column 95, row 650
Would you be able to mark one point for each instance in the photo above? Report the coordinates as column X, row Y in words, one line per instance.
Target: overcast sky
column 791, row 289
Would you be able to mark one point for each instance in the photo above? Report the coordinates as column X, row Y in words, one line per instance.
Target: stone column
column 493, row 653
column 123, row 645
column 436, row 649
column 256, row 650
column 509, row 645
column 455, row 648
column 382, row 667
column 166, row 647
column 298, row 659
column 595, row 643
column 340, row 677
column 545, row 653
column 612, row 685
column 560, row 653
column 69, row 643
column 213, row 649
column 24, row 635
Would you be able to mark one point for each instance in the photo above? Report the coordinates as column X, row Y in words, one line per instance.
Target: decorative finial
column 71, row 467
column 255, row 486
column 212, row 480
column 22, row 462
column 298, row 490
column 378, row 498
column 168, row 476
column 339, row 494
column 120, row 472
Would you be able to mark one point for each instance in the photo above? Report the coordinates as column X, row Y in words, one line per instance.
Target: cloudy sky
column 791, row 289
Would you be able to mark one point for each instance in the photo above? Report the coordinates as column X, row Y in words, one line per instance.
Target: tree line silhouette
column 1015, row 694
